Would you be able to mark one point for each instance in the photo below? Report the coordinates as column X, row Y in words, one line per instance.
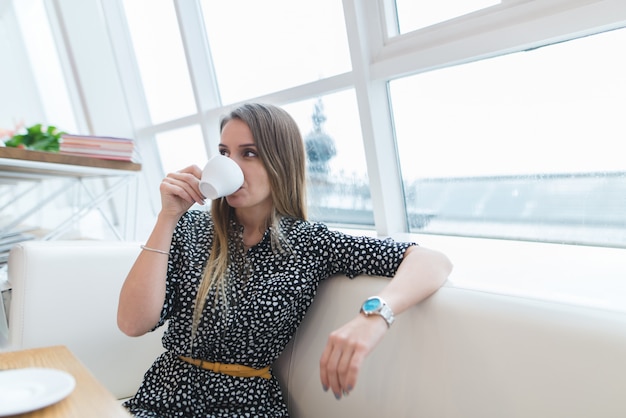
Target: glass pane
column 338, row 185
column 523, row 146
column 263, row 46
column 161, row 58
column 46, row 67
column 413, row 15
column 181, row 148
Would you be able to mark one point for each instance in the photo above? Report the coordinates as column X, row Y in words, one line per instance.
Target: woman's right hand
column 143, row 293
column 180, row 190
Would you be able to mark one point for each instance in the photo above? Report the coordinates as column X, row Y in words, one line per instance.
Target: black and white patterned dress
column 269, row 291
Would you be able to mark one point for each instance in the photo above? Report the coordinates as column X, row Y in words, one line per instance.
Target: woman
column 235, row 282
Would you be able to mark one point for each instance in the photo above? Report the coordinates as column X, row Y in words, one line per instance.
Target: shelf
column 29, row 171
column 19, row 163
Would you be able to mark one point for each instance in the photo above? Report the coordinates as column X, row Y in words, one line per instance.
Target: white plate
column 28, row 389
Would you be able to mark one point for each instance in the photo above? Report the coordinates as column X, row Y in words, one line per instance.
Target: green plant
column 37, row 138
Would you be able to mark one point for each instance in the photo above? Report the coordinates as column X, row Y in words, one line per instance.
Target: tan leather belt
column 230, row 369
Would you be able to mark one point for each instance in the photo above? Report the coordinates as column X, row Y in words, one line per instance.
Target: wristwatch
column 377, row 306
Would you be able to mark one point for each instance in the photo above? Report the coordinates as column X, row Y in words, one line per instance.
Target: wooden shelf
column 52, row 163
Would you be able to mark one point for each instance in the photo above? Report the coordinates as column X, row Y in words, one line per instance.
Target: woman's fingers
column 184, row 184
column 181, row 189
column 329, row 370
column 193, row 170
column 340, row 368
column 346, row 351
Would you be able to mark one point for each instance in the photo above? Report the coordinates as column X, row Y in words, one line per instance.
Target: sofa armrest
column 66, row 292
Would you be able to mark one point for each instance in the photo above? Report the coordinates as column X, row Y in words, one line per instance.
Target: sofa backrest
column 66, row 293
column 465, row 354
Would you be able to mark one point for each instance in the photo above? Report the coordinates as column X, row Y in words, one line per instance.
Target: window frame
column 378, row 55
column 109, row 99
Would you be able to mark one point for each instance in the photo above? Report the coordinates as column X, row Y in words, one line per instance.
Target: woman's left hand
column 345, row 351
column 421, row 273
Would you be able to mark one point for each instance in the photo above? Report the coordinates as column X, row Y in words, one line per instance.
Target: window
column 180, row 148
column 523, row 146
column 338, row 185
column 161, row 58
column 46, row 68
column 259, row 47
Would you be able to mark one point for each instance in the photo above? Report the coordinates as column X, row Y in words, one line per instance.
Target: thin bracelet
column 143, row 247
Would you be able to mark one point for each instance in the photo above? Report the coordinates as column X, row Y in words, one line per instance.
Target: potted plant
column 37, row 138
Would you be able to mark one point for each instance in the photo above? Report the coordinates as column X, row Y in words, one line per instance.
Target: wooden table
column 88, row 399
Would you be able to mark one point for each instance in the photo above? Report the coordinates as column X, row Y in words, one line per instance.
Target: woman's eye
column 224, row 152
column 249, row 153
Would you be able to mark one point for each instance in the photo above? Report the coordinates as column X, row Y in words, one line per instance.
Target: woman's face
column 238, row 143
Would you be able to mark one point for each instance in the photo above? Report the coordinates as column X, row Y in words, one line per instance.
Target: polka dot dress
column 269, row 289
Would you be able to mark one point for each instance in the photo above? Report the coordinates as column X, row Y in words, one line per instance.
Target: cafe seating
column 460, row 354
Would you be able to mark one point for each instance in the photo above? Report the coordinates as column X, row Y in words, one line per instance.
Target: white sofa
column 66, row 292
column 460, row 354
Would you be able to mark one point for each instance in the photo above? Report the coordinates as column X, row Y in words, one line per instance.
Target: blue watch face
column 371, row 305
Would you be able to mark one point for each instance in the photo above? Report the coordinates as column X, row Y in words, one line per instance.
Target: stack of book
column 108, row 148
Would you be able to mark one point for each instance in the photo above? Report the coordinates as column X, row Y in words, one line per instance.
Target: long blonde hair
column 281, row 150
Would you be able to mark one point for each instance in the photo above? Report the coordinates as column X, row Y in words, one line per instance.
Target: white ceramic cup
column 221, row 176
